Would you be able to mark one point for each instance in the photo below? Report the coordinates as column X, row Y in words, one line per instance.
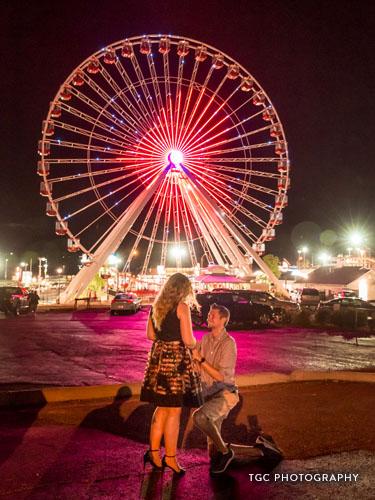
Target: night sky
column 315, row 59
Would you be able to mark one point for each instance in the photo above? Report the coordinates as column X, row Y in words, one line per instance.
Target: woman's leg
column 171, row 431
column 156, row 432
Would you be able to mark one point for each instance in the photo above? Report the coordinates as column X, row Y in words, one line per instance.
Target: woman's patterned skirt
column 170, row 379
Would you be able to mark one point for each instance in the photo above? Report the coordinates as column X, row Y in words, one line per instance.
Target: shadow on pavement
column 14, row 426
column 111, row 419
column 94, row 453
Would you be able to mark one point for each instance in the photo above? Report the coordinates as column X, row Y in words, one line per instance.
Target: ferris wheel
column 170, row 146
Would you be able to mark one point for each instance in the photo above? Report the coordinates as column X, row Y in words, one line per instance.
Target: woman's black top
column 170, row 328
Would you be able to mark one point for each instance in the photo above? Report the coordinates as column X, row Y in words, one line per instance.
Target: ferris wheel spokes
column 195, row 107
column 107, row 211
column 140, row 117
column 103, row 111
column 95, row 122
column 233, row 112
column 223, row 195
column 104, row 183
column 187, row 136
column 245, row 196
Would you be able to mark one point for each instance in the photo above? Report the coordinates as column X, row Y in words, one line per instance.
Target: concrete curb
column 12, row 399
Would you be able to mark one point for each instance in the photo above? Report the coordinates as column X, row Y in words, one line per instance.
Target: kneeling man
column 216, row 356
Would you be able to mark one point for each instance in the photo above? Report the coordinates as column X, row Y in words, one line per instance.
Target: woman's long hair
column 176, row 289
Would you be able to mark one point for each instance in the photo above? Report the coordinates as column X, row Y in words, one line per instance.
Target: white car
column 310, row 297
column 125, row 302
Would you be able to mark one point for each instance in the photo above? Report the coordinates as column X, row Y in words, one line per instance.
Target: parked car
column 346, row 292
column 14, row 300
column 365, row 310
column 349, row 302
column 283, row 309
column 242, row 309
column 125, row 302
column 310, row 297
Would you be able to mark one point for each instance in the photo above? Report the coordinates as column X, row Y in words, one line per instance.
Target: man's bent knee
column 199, row 418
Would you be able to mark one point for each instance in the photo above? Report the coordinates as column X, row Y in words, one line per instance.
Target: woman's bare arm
column 183, row 314
column 150, row 329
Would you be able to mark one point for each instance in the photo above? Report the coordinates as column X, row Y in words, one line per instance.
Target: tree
column 96, row 284
column 273, row 263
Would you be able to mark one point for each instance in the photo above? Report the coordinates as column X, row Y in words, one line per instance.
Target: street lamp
column 356, row 238
column 6, row 269
column 299, row 258
column 42, row 263
column 59, row 271
column 304, row 251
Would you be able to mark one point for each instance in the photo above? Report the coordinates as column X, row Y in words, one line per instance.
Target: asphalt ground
column 86, row 348
column 93, row 450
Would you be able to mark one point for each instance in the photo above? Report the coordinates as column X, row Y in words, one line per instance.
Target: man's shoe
column 214, row 458
column 271, row 453
column 222, row 461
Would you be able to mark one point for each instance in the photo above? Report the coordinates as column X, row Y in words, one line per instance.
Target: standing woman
column 170, row 381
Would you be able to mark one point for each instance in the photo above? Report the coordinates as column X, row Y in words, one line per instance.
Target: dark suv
column 243, row 311
column 14, row 300
column 283, row 309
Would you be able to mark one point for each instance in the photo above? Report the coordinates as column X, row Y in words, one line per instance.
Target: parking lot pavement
column 93, row 348
column 94, row 450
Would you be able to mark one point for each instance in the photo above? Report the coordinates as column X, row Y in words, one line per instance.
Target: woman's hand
column 196, row 355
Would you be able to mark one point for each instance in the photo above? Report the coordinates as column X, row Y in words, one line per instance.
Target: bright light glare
column 175, row 157
column 356, row 238
column 178, row 251
column 113, row 260
column 324, row 257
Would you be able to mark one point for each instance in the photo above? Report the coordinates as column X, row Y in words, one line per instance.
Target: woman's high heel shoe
column 147, row 458
column 180, row 472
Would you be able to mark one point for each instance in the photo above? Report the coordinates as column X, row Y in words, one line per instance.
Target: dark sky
column 314, row 58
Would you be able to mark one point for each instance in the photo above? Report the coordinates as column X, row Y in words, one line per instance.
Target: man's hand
column 196, row 355
column 196, row 366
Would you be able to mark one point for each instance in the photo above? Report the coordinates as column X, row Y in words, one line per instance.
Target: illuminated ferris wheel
column 169, row 144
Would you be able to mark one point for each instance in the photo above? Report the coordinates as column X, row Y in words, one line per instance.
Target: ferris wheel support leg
column 110, row 244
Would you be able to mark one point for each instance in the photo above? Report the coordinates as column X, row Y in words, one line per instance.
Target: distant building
column 332, row 280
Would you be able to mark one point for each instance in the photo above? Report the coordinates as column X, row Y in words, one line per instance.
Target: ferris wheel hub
column 175, row 157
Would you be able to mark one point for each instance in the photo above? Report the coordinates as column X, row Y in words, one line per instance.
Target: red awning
column 215, row 278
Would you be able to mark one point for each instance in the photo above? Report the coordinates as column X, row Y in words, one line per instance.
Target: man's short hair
column 223, row 311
